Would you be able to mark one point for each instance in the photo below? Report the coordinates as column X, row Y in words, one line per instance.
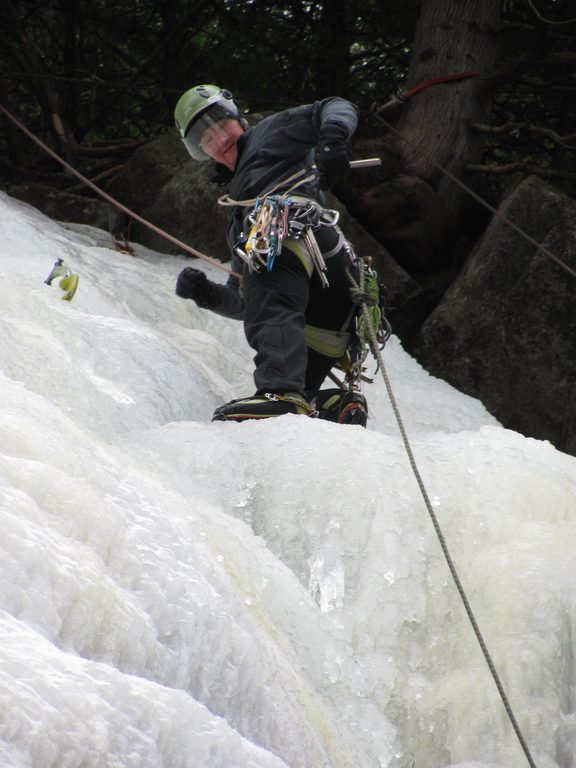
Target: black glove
column 193, row 284
column 331, row 157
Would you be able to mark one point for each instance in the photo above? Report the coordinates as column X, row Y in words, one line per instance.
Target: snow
column 181, row 593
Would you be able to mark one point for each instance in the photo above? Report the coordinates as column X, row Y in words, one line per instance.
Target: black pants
column 278, row 305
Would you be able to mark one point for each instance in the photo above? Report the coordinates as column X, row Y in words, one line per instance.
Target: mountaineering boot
column 354, row 409
column 342, row 406
column 263, row 407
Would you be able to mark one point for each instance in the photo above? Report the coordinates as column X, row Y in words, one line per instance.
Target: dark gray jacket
column 270, row 152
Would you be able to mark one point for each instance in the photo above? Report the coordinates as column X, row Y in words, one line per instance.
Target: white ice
column 181, row 593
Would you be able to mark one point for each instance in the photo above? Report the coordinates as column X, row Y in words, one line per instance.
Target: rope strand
column 112, row 200
column 438, row 529
column 540, row 246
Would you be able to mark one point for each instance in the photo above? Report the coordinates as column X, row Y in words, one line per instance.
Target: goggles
column 207, row 131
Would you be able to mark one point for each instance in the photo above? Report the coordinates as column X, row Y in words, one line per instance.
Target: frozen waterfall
column 176, row 593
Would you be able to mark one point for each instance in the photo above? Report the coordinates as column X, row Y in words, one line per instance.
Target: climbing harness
column 275, row 217
column 370, row 292
column 68, row 279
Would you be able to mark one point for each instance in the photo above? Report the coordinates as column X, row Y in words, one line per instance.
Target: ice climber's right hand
column 193, row 284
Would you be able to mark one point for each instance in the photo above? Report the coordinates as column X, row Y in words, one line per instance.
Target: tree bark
column 415, row 207
column 452, row 36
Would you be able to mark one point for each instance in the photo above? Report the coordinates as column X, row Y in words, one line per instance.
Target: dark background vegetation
column 94, row 78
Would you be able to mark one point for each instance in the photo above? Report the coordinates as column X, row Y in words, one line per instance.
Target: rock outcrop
column 505, row 331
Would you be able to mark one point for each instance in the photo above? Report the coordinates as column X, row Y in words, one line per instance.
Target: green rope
column 369, row 295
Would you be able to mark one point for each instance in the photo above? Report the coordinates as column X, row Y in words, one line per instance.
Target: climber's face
column 219, row 141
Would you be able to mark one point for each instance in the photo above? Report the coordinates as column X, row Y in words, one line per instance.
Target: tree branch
column 501, row 170
column 549, row 21
column 105, row 150
column 512, row 127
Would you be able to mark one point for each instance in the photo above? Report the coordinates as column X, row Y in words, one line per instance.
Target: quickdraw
column 269, row 227
column 275, row 218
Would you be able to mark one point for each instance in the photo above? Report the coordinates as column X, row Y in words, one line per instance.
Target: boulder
column 186, row 207
column 165, row 187
column 149, row 168
column 505, row 331
column 407, row 303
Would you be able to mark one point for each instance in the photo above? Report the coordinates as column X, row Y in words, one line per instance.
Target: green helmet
column 198, row 109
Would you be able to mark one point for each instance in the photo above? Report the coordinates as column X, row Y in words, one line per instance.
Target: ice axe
column 366, row 163
column 68, row 280
column 354, row 164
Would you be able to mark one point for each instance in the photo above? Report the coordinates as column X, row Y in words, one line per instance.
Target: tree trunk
column 412, row 205
column 452, row 37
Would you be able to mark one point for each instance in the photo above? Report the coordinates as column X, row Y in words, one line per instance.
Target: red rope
column 437, row 80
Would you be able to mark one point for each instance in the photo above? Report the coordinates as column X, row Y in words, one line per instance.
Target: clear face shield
column 207, row 133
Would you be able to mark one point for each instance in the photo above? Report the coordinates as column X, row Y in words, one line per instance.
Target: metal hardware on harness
column 275, row 218
column 264, row 240
column 316, row 255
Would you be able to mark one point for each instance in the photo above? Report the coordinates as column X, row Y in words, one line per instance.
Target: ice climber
column 294, row 296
